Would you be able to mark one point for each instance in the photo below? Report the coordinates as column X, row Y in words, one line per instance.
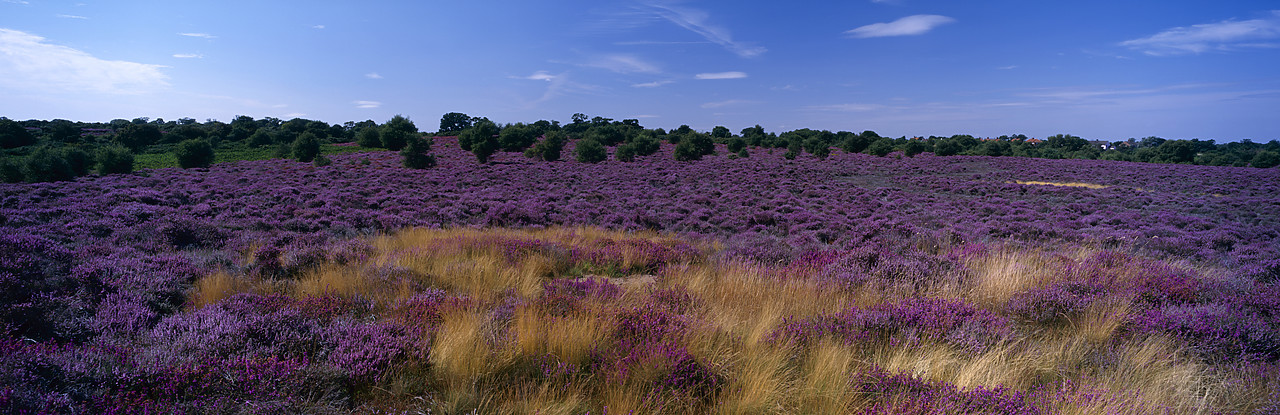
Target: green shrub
column 13, row 135
column 1265, row 159
column 369, row 137
column 590, row 151
column 817, row 147
column 46, row 165
column 306, row 147
column 397, row 132
column 321, row 161
column 79, row 161
column 482, row 139
column 880, row 148
column 645, row 144
column 743, row 153
column 114, row 159
column 260, row 138
column 736, row 144
column 10, row 170
column 194, row 153
column 517, row 138
column 625, row 152
column 687, row 151
column 415, row 153
column 549, row 148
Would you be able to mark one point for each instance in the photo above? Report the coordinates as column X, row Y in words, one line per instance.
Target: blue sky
column 1097, row 69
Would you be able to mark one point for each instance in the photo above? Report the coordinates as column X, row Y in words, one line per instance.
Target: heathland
column 759, row 281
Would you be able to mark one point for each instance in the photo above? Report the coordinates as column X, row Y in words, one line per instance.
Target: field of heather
column 851, row 284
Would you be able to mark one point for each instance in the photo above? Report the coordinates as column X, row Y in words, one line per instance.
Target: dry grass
column 1064, row 184
column 475, row 360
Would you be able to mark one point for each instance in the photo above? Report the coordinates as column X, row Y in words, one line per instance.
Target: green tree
column 517, row 137
column 62, row 131
column 881, row 147
column 46, row 165
column 369, row 137
column 686, row 150
column 590, row 151
column 721, row 132
column 482, row 138
column 306, row 147
column 453, row 123
column 79, row 160
column 396, row 132
column 138, row 136
column 549, row 148
column 194, row 153
column 736, row 144
column 914, row 147
column 10, row 169
column 415, row 154
column 817, row 147
column 14, row 135
column 114, row 159
column 625, row 152
column 1265, row 159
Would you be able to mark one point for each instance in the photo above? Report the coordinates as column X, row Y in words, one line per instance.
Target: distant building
column 1101, row 144
column 1034, row 141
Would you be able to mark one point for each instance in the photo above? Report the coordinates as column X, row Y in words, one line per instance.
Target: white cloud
column 696, row 21
column 27, row 61
column 907, row 26
column 1221, row 36
column 367, row 104
column 847, row 107
column 188, row 56
column 538, row 76
column 653, row 84
column 623, row 63
column 721, row 75
column 373, row 75
column 72, row 16
column 1005, row 68
column 199, row 35
column 17, row 1
column 293, row 115
column 319, row 26
column 726, row 103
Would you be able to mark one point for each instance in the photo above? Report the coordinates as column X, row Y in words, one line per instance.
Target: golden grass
column 1064, row 184
column 475, row 360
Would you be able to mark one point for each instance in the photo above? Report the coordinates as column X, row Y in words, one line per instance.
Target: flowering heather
column 646, row 286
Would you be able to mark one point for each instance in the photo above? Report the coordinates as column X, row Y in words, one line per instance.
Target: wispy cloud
column 696, row 22
column 72, row 16
column 199, row 35
column 721, row 75
column 1221, row 36
column 319, row 26
column 622, row 63
column 538, row 76
column 846, row 107
column 373, row 75
column 907, row 26
column 1005, row 68
column 367, row 104
column 188, row 56
column 726, row 103
column 653, row 84
column 17, row 2
column 293, row 115
column 27, row 61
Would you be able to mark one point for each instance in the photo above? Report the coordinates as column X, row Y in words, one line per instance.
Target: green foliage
column 114, row 159
column 880, row 147
column 10, row 169
column 321, row 161
column 1066, row 142
column 482, row 139
column 549, row 148
column 517, row 137
column 138, row 136
column 46, row 165
column 645, row 144
column 913, row 147
column 736, row 144
column 590, row 151
column 306, row 147
column 625, row 152
column 754, row 136
column 687, row 151
column 369, row 137
column 13, row 135
column 194, row 153
column 1266, row 159
column 397, row 131
column 454, row 122
column 817, row 147
column 415, row 154
column 609, row 135
column 743, row 154
column 78, row 160
column 260, row 138
column 721, row 131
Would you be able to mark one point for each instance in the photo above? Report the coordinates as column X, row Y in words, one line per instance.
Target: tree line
column 38, row 150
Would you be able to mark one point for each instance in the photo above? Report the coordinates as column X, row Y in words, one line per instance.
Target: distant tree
column 261, row 137
column 945, row 147
column 608, row 135
column 914, row 147
column 62, row 131
column 517, row 137
column 114, row 159
column 138, row 136
column 720, row 131
column 880, row 147
column 194, row 153
column 14, row 135
column 549, row 148
column 396, row 132
column 482, row 139
column 78, row 160
column 1066, row 142
column 10, row 169
column 369, row 137
column 1265, row 159
column 736, row 144
column 415, row 154
column 686, row 150
column 754, row 136
column 453, row 123
column 1175, row 151
column 590, row 151
column 817, row 147
column 306, row 147
column 702, row 143
column 46, row 165
column 995, row 148
column 625, row 152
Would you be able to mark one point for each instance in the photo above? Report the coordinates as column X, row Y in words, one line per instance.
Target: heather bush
column 904, row 324
column 40, row 299
column 1237, row 327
